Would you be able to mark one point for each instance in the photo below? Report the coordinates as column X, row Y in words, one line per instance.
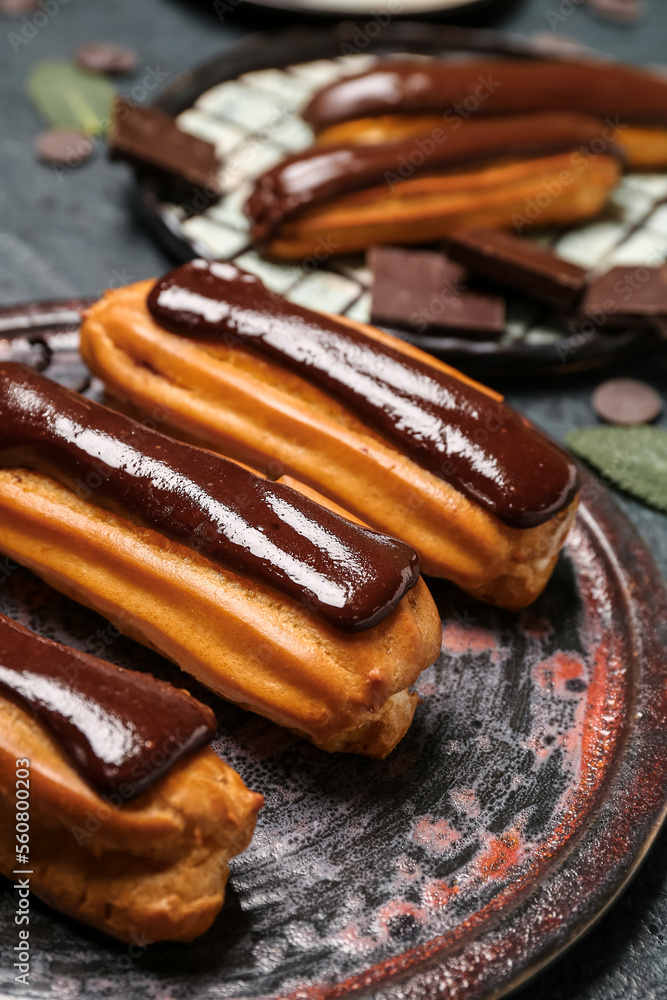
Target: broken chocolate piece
column 627, row 296
column 422, row 291
column 626, row 401
column 517, row 263
column 147, row 137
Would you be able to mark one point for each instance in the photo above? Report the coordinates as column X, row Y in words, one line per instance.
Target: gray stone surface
column 74, row 235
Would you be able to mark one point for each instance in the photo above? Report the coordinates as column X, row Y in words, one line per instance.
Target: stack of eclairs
column 411, row 150
column 268, row 538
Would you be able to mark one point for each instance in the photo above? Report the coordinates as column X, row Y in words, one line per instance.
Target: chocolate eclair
column 132, row 818
column 489, row 87
column 419, row 188
column 399, row 99
column 268, row 598
column 385, row 431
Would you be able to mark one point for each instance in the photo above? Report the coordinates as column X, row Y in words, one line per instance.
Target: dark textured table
column 75, row 235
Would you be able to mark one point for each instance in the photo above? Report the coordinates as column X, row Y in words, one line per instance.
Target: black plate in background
column 293, row 46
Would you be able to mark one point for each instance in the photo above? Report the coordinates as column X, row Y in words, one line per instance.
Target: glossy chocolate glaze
column 122, row 730
column 606, row 89
column 351, row 576
column 452, row 429
column 320, row 173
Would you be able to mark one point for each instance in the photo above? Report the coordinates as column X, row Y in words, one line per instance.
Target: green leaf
column 70, row 97
column 634, row 458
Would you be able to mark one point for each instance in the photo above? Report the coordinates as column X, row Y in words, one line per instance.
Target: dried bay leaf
column 634, row 458
column 69, row 97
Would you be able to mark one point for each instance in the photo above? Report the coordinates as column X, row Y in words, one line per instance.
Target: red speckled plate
column 522, row 800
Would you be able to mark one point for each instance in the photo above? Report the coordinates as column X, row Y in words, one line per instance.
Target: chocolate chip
column 15, row 8
column 617, row 10
column 626, row 401
column 104, row 57
column 65, row 146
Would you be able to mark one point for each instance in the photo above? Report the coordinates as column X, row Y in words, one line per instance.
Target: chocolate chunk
column 626, row 401
column 516, row 263
column 147, row 137
column 627, row 295
column 617, row 10
column 105, row 57
column 63, row 145
column 421, row 291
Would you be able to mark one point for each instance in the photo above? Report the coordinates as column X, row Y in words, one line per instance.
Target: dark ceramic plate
column 516, row 809
column 258, row 122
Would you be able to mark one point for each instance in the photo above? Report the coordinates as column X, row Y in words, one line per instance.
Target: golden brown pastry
column 270, row 600
column 512, row 196
column 644, row 148
column 390, row 433
column 503, row 172
column 131, row 820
